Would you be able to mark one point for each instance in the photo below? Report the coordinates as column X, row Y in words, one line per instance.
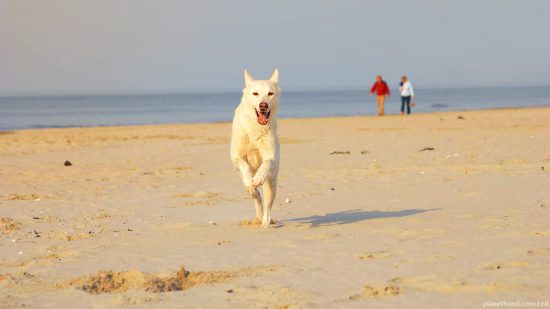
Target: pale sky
column 136, row 46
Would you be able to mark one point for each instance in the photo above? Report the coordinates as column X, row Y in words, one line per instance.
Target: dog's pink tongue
column 262, row 118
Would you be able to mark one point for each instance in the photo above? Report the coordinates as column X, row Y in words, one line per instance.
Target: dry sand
column 427, row 211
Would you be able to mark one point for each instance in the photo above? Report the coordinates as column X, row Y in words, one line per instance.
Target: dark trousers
column 406, row 101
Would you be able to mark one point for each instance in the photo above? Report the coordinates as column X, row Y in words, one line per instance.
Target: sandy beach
column 425, row 211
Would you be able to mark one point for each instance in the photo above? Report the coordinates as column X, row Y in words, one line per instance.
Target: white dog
column 254, row 142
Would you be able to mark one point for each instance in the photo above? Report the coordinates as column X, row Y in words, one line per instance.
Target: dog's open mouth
column 263, row 117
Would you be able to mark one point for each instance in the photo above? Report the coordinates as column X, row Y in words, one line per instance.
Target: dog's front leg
column 246, row 174
column 261, row 173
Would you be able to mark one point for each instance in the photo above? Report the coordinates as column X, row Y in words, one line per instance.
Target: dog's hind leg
column 258, row 203
column 246, row 173
column 269, row 189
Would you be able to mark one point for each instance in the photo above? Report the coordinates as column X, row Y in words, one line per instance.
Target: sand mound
column 111, row 282
column 116, row 282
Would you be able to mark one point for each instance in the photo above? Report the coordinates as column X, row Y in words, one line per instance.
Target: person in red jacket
column 382, row 90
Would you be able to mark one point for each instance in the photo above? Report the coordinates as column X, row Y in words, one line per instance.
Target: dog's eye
column 270, row 94
column 255, row 93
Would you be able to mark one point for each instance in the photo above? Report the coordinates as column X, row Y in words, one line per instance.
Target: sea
column 35, row 112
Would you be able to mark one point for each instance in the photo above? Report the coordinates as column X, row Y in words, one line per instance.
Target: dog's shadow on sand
column 356, row 215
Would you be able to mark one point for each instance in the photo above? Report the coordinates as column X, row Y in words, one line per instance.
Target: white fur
column 255, row 147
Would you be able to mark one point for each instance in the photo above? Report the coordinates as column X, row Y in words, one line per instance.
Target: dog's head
column 262, row 95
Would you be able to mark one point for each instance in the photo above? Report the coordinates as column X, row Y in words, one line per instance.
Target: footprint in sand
column 100, row 215
column 135, row 300
column 8, row 225
column 374, row 255
column 377, row 291
column 24, row 197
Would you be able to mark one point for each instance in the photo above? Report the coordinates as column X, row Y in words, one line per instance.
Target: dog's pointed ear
column 247, row 78
column 274, row 77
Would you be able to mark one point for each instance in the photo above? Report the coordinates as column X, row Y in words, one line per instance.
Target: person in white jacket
column 407, row 93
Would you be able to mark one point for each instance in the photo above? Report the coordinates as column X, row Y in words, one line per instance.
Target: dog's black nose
column 263, row 106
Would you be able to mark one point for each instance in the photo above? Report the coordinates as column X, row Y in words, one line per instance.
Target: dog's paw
column 266, row 222
column 258, row 180
column 252, row 191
